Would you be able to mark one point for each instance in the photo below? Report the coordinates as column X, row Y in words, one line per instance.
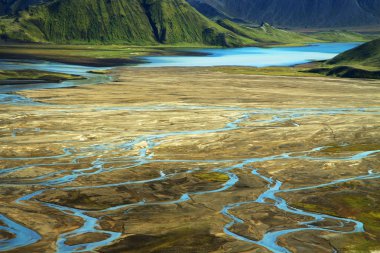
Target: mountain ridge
column 296, row 13
column 137, row 22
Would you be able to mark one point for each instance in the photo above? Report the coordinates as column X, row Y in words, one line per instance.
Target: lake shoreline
column 54, row 53
column 98, row 56
column 241, row 57
column 83, row 61
column 33, row 76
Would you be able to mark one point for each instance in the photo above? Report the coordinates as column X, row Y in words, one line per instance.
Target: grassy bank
column 116, row 55
column 355, row 200
column 315, row 70
column 34, row 76
column 346, row 71
column 89, row 55
column 267, row 71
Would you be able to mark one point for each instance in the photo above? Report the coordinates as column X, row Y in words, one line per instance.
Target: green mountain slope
column 266, row 33
column 176, row 21
column 140, row 22
column 360, row 62
column 367, row 54
column 341, row 36
column 91, row 21
column 346, row 72
column 137, row 22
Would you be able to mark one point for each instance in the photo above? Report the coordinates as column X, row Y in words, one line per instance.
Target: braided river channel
column 71, row 180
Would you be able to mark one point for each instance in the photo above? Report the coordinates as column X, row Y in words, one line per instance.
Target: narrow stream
column 21, row 236
column 7, row 95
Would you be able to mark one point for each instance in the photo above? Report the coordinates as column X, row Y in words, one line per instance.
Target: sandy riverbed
column 128, row 152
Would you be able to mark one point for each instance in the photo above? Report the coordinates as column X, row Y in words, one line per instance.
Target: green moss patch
column 352, row 148
column 212, row 177
column 270, row 71
column 346, row 71
column 359, row 200
column 25, row 76
column 367, row 54
column 186, row 240
column 99, row 72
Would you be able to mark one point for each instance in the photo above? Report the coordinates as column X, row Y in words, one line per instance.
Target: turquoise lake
column 248, row 56
column 252, row 56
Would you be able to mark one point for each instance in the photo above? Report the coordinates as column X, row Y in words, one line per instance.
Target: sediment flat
column 194, row 160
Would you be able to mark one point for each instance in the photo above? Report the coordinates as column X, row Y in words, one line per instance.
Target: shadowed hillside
column 296, row 13
column 360, row 62
column 13, row 6
column 367, row 54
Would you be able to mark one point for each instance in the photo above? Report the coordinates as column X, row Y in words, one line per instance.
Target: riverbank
column 30, row 76
column 165, row 158
column 117, row 55
column 294, row 61
column 90, row 55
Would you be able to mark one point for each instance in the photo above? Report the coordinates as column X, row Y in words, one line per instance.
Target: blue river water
column 252, row 56
column 7, row 90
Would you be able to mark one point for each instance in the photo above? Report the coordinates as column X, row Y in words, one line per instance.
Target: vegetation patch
column 352, row 148
column 25, row 76
column 358, row 200
column 212, row 177
column 267, row 71
column 86, row 238
column 367, row 54
column 99, row 72
column 88, row 55
column 189, row 239
column 345, row 71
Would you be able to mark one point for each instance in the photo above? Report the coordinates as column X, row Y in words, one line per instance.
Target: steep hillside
column 367, row 54
column 360, row 62
column 176, row 21
column 297, row 13
column 91, row 21
column 139, row 22
column 208, row 10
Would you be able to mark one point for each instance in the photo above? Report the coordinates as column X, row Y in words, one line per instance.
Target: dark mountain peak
column 11, row 7
column 297, row 13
